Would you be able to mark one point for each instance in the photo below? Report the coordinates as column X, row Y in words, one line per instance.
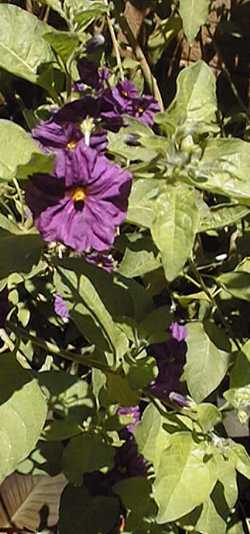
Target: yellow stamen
column 72, row 144
column 78, row 194
column 141, row 111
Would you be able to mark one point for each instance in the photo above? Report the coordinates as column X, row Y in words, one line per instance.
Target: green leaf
column 79, row 512
column 23, row 412
column 22, row 47
column 54, row 4
column 174, row 227
column 16, row 150
column 224, row 169
column 81, row 286
column 86, row 453
column 63, row 43
column 195, row 100
column 194, row 14
column 118, row 390
column 211, row 520
column 19, row 254
column 162, row 36
column 206, row 364
column 236, row 283
column 150, row 435
column 182, row 466
column 141, row 256
column 240, row 372
column 223, row 215
column 240, row 458
column 141, row 209
column 38, row 163
column 136, row 496
column 208, row 416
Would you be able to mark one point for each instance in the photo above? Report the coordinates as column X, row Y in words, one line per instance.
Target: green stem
column 57, row 351
column 115, row 44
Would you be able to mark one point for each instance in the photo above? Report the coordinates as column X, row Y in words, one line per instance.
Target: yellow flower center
column 72, row 144
column 78, row 194
column 140, row 110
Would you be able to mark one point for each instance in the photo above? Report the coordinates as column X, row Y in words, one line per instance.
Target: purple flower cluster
column 170, row 358
column 85, row 199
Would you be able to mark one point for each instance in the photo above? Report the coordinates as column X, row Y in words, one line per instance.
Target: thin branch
column 140, row 57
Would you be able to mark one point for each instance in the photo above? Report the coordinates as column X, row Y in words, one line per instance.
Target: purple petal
column 60, row 307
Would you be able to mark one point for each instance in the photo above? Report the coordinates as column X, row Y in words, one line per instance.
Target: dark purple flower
column 83, row 208
column 91, row 75
column 124, row 99
column 4, row 307
column 144, row 109
column 134, row 413
column 104, row 261
column 170, row 358
column 60, row 307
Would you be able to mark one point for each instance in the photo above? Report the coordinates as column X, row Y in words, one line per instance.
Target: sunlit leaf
column 194, row 13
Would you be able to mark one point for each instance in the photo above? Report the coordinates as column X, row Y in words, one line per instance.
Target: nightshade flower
column 124, row 99
column 84, row 208
column 91, row 75
column 170, row 358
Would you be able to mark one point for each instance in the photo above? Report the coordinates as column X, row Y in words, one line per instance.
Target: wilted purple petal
column 179, row 399
column 178, row 331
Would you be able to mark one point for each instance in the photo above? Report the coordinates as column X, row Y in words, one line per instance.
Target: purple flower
column 179, row 399
column 83, row 208
column 170, row 358
column 104, row 261
column 91, row 75
column 134, row 413
column 60, row 307
column 144, row 109
column 124, row 99
column 61, row 138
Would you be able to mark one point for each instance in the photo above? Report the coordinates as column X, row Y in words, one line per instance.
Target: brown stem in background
column 140, row 57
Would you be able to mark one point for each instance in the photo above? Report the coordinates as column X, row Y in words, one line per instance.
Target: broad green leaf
column 162, row 36
column 223, row 215
column 236, row 283
column 80, row 286
column 22, row 47
column 211, row 520
column 63, row 43
column 66, row 393
column 79, row 512
column 182, row 467
column 86, row 453
column 194, row 14
column 240, row 372
column 174, row 227
column 119, row 391
column 23, row 410
column 141, row 256
column 19, row 253
column 16, row 149
column 38, row 163
column 240, row 458
column 224, row 169
column 25, row 495
column 150, row 435
column 208, row 416
column 206, row 364
column 195, row 100
column 141, row 209
column 154, row 326
column 227, row 476
column 136, row 496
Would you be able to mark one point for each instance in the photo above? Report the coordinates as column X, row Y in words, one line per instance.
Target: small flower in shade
column 179, row 399
column 170, row 358
column 91, row 75
column 83, row 209
column 124, row 99
column 104, row 261
column 60, row 307
column 134, row 413
column 144, row 109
